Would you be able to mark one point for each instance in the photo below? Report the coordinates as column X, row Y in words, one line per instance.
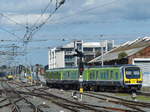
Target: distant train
column 126, row 77
column 3, row 74
column 10, row 77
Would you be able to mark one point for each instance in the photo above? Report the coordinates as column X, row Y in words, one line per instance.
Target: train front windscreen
column 132, row 72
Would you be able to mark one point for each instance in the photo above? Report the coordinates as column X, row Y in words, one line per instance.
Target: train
column 2, row 74
column 10, row 77
column 117, row 78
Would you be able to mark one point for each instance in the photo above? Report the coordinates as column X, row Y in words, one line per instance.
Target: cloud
column 77, row 11
column 89, row 2
column 138, row 10
column 130, row 10
column 24, row 19
column 23, row 6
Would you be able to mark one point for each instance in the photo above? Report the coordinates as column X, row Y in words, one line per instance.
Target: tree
column 4, row 67
column 46, row 67
column 122, row 55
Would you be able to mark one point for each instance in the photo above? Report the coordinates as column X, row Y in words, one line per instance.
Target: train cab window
column 128, row 72
column 132, row 72
column 136, row 72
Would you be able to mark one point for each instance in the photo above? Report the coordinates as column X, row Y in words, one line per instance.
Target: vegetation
column 139, row 97
column 122, row 55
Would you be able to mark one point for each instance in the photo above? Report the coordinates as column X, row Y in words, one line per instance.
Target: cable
column 31, row 31
column 87, row 10
column 42, row 13
column 17, row 23
column 9, row 32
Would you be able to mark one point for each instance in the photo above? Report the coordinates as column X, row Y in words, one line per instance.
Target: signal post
column 80, row 69
column 78, row 47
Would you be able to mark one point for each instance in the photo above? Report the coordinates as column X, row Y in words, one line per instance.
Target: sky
column 89, row 20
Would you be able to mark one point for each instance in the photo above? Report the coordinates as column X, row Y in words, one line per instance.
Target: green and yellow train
column 127, row 77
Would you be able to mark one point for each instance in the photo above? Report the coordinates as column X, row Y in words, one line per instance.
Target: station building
column 132, row 52
column 64, row 56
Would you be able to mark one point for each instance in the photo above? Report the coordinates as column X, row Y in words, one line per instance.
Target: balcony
column 69, row 53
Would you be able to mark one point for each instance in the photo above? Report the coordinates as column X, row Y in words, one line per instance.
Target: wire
column 42, row 13
column 17, row 23
column 9, row 32
column 31, row 31
column 87, row 10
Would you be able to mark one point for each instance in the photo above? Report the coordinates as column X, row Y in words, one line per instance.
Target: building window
column 87, row 49
column 98, row 49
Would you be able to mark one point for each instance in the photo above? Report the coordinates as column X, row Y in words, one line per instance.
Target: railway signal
column 81, row 69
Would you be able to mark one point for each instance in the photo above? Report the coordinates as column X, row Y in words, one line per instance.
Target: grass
column 139, row 97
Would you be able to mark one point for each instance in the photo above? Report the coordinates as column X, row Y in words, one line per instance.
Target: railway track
column 17, row 102
column 74, row 105
column 70, row 105
column 137, row 106
column 65, row 103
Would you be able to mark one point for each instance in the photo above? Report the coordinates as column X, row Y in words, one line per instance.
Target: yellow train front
column 10, row 77
column 133, row 77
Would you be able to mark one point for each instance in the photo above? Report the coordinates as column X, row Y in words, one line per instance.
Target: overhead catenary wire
column 85, row 11
column 12, row 33
column 42, row 14
column 31, row 31
column 10, row 19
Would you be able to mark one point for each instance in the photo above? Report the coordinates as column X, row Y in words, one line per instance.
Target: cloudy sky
column 94, row 20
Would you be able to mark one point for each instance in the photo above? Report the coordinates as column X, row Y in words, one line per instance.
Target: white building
column 64, row 56
column 56, row 58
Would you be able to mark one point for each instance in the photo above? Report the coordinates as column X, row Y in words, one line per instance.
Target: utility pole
column 14, row 53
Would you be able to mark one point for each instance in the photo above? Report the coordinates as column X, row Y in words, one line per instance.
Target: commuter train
column 10, row 77
column 3, row 74
column 125, row 77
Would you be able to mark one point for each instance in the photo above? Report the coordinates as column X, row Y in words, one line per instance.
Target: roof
column 130, row 48
column 87, row 44
column 138, row 43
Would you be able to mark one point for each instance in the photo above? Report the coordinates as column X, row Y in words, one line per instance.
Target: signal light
column 81, row 68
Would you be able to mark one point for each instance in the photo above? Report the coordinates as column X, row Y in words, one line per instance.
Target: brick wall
column 145, row 53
